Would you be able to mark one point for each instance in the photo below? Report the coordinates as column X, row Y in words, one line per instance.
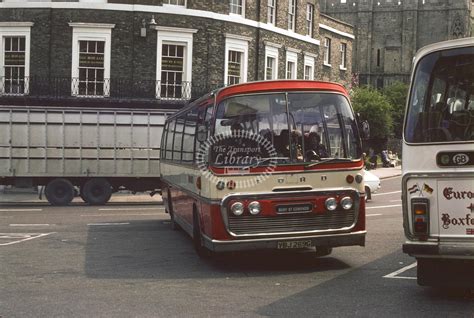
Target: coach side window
column 189, row 135
column 163, row 142
column 169, row 140
column 178, row 139
column 204, row 119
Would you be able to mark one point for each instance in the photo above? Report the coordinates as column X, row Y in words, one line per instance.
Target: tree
column 396, row 95
column 375, row 108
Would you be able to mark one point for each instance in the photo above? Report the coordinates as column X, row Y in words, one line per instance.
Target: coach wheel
column 96, row 191
column 323, row 251
column 59, row 192
column 174, row 226
column 368, row 195
column 198, row 242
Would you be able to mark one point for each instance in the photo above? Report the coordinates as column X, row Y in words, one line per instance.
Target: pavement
column 30, row 196
column 384, row 173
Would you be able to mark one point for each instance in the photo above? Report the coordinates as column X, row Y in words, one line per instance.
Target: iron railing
column 116, row 89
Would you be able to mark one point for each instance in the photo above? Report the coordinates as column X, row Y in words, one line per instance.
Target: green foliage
column 396, row 95
column 375, row 108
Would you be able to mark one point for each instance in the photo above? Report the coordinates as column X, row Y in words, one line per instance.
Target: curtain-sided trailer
column 93, row 152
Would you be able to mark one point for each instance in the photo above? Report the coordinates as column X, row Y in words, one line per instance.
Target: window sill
column 174, row 5
column 237, row 15
column 342, row 68
column 327, row 65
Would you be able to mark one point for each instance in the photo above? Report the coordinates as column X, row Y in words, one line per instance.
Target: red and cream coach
column 266, row 165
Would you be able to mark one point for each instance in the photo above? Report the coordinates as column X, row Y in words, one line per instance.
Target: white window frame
column 271, row 6
column 343, row 51
column 291, row 57
column 172, row 4
column 309, row 61
column 15, row 29
column 175, row 36
column 291, row 15
column 309, row 19
column 237, row 14
column 239, row 44
column 271, row 51
column 91, row 32
column 327, row 51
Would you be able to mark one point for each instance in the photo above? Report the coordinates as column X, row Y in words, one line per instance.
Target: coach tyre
column 59, row 192
column 201, row 250
column 97, row 191
column 174, row 226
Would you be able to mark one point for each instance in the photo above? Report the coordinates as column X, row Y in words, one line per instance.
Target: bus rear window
column 441, row 105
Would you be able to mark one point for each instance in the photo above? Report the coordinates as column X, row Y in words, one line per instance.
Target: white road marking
column 384, row 193
column 31, row 224
column 128, row 209
column 22, row 236
column 401, row 270
column 107, row 224
column 382, row 206
column 119, row 214
column 20, row 210
column 395, row 201
column 376, row 214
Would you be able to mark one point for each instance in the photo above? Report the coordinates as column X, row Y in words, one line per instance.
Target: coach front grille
column 289, row 223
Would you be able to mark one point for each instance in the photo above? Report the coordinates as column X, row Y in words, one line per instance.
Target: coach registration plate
column 294, row 244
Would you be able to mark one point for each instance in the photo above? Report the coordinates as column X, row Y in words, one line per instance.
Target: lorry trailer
column 89, row 152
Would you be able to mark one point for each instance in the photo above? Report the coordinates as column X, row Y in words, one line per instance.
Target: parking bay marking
column 401, row 270
column 21, row 237
column 128, row 209
column 28, row 225
column 21, row 210
column 107, row 224
column 120, row 214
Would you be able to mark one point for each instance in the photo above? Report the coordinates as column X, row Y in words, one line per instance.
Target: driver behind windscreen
column 314, row 149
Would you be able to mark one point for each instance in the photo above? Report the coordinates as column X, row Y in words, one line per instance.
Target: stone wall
column 389, row 32
column 134, row 57
column 335, row 72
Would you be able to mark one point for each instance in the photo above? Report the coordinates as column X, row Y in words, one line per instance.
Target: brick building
column 161, row 53
column 389, row 32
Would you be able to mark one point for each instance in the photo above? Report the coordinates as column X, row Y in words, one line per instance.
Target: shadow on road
column 150, row 249
column 365, row 293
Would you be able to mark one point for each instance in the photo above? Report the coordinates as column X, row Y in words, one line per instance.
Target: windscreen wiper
column 263, row 160
column 328, row 160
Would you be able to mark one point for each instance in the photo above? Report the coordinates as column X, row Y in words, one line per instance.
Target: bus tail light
column 198, row 183
column 349, row 178
column 420, row 210
column 237, row 208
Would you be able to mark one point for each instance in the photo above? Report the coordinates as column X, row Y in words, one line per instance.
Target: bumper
column 440, row 250
column 330, row 240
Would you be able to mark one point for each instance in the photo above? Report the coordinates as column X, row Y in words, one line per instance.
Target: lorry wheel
column 59, row 192
column 97, row 191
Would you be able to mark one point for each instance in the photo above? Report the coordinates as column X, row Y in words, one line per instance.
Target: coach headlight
column 254, row 207
column 331, row 204
column 346, row 203
column 237, row 208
